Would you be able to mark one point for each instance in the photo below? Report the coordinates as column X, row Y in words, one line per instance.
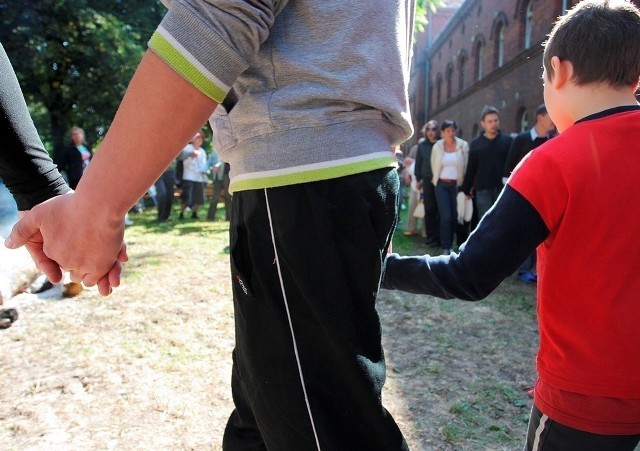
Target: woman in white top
column 194, row 176
column 449, row 164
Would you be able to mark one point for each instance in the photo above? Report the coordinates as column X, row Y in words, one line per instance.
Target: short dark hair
column 541, row 110
column 488, row 109
column 447, row 124
column 601, row 39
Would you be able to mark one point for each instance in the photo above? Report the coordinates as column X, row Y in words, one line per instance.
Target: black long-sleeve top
column 25, row 166
column 423, row 161
column 521, row 146
column 486, row 162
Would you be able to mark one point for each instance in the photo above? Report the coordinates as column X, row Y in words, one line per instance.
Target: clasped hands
column 68, row 233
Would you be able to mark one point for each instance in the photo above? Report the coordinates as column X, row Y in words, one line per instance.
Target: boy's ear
column 562, row 72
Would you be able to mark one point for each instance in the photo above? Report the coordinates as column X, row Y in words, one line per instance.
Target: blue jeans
column 446, row 199
column 485, row 198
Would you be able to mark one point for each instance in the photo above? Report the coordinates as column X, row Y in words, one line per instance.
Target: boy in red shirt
column 573, row 199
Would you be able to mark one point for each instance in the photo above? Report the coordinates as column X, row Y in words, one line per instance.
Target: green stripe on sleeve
column 185, row 68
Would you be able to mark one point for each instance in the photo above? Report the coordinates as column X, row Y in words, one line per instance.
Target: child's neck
column 594, row 98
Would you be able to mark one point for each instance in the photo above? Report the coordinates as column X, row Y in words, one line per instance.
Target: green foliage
column 74, row 58
column 422, row 8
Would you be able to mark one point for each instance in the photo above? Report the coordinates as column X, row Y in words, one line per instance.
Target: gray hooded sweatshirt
column 308, row 89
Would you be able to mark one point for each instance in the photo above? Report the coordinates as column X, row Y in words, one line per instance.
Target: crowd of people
column 458, row 182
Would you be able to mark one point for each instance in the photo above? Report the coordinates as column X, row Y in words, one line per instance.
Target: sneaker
column 181, row 216
column 194, row 215
column 410, row 233
column 42, row 283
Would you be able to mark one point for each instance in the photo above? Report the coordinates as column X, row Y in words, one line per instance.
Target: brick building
column 489, row 53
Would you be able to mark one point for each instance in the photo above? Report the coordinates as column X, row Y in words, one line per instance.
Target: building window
column 449, row 77
column 497, row 34
column 438, row 90
column 474, row 131
column 565, row 6
column 462, row 68
column 522, row 120
column 479, row 56
column 528, row 25
column 500, row 46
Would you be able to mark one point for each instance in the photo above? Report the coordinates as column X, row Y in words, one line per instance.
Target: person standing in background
column 449, row 163
column 74, row 158
column 525, row 142
column 194, row 176
column 424, row 174
column 414, row 196
column 487, row 154
column 165, row 187
column 522, row 144
column 220, row 177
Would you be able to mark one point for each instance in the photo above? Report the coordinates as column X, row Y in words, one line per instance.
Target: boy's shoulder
column 603, row 132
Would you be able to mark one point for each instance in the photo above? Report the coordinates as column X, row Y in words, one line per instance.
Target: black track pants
column 308, row 364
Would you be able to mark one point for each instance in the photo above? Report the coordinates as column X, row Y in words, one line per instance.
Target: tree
column 74, row 58
column 421, row 11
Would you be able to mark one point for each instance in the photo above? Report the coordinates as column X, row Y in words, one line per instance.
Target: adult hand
column 65, row 233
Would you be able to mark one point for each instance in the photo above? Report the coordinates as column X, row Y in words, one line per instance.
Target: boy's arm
column 505, row 237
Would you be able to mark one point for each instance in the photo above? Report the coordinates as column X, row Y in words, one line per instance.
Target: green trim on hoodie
column 181, row 64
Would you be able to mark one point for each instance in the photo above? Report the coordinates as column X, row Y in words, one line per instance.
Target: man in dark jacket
column 529, row 140
column 487, row 156
column 424, row 175
column 522, row 144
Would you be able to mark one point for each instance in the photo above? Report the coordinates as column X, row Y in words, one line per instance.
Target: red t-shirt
column 584, row 184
